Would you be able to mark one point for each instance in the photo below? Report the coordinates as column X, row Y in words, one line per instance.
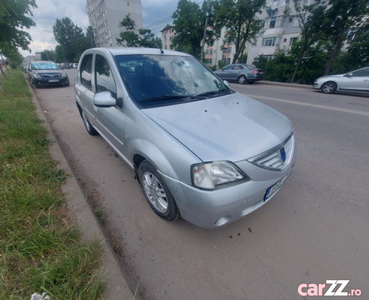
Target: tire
column 242, row 79
column 329, row 87
column 90, row 129
column 67, row 82
column 156, row 192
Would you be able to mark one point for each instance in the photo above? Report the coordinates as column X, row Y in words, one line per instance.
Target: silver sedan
column 353, row 82
column 200, row 150
column 241, row 73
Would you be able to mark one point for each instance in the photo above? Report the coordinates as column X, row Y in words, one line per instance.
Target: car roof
column 135, row 50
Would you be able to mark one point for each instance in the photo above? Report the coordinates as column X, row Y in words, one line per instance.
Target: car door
column 225, row 73
column 356, row 81
column 235, row 72
column 84, row 88
column 109, row 120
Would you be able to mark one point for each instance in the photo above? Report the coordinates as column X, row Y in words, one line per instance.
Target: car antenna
column 161, row 50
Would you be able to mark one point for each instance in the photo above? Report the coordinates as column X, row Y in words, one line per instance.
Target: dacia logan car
column 200, row 150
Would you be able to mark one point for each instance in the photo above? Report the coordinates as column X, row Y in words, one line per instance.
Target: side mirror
column 349, row 75
column 226, row 82
column 104, row 99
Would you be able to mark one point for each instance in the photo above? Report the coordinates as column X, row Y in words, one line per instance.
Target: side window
column 228, row 67
column 361, row 73
column 104, row 77
column 86, row 71
column 237, row 67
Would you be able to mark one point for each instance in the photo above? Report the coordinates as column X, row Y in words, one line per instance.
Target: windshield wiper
column 211, row 93
column 164, row 97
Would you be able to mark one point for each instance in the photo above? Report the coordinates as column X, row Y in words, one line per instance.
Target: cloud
column 155, row 13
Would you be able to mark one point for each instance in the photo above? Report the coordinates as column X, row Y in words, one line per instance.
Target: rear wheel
column 329, row 87
column 90, row 129
column 241, row 79
column 156, row 192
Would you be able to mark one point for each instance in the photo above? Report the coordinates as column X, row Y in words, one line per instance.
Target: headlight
column 36, row 75
column 210, row 175
column 64, row 75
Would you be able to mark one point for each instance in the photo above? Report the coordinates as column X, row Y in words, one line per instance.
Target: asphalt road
column 315, row 229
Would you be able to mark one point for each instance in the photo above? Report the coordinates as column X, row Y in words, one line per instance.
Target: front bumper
column 317, row 85
column 211, row 209
column 50, row 82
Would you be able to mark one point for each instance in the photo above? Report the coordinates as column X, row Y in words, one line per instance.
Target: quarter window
column 104, row 77
column 86, row 71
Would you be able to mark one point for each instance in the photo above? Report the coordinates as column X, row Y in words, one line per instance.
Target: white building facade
column 280, row 30
column 105, row 17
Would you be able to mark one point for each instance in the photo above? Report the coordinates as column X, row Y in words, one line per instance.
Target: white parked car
column 199, row 149
column 353, row 82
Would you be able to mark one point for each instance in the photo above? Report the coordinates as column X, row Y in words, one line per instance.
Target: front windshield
column 166, row 79
column 44, row 66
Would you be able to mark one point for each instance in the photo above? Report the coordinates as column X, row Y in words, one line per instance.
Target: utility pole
column 204, row 37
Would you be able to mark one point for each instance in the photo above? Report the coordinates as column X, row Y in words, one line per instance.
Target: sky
column 155, row 15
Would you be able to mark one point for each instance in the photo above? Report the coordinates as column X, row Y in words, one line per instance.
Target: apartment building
column 280, row 30
column 105, row 17
column 167, row 35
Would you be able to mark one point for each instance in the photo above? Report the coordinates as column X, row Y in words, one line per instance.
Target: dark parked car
column 241, row 73
column 46, row 73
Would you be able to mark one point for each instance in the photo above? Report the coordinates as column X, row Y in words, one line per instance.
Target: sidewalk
column 117, row 286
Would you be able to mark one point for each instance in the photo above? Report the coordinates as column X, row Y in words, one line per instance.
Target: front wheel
column 156, row 192
column 241, row 79
column 329, row 87
column 90, row 129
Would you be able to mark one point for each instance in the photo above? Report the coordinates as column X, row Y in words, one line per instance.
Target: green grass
column 40, row 248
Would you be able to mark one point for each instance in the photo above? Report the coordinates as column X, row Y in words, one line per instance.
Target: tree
column 189, row 24
column 241, row 20
column 340, row 16
column 310, row 18
column 13, row 18
column 71, row 39
column 129, row 37
column 90, row 37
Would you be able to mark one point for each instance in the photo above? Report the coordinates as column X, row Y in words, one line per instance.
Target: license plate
column 274, row 188
column 54, row 80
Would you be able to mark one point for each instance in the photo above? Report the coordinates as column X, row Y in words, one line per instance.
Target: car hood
column 233, row 127
column 337, row 76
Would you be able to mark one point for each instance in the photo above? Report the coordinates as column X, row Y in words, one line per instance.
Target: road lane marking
column 351, row 111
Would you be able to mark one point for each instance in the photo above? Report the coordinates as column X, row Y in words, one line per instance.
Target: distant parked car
column 241, row 73
column 46, row 73
column 353, row 82
column 75, row 65
column 199, row 149
column 66, row 65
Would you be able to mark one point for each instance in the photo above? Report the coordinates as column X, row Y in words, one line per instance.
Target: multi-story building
column 105, row 17
column 167, row 35
column 281, row 29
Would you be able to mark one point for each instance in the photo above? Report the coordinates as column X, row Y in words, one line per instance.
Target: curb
column 294, row 85
column 117, row 286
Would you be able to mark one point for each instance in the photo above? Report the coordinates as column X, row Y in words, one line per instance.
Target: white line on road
column 314, row 105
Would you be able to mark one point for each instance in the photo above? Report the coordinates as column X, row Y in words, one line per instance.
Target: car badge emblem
column 283, row 154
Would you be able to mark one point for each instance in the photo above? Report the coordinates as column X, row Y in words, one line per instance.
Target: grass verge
column 40, row 248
